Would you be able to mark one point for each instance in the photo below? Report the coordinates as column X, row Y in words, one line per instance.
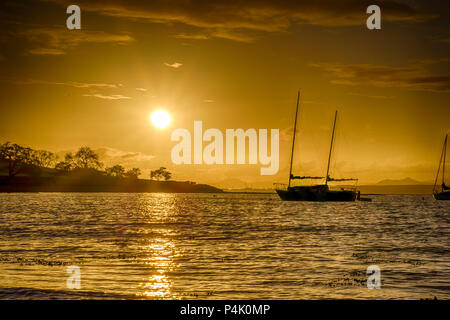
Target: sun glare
column 160, row 118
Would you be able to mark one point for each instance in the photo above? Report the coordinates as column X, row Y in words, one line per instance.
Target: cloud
column 233, row 35
column 229, row 19
column 192, row 36
column 222, row 34
column 46, row 51
column 57, row 40
column 141, row 89
column 93, row 87
column 414, row 77
column 107, row 97
column 115, row 156
column 208, row 101
column 110, row 157
column 69, row 84
column 175, row 65
column 370, row 96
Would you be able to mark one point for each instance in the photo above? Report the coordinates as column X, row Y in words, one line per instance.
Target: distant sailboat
column 319, row 192
column 444, row 194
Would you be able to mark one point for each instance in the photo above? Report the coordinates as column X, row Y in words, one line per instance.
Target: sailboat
column 444, row 193
column 318, row 192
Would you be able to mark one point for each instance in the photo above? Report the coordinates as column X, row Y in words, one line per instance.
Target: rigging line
column 443, row 162
column 293, row 139
column 439, row 167
column 331, row 148
column 341, row 144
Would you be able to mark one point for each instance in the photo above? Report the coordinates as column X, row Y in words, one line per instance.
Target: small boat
column 319, row 192
column 444, row 193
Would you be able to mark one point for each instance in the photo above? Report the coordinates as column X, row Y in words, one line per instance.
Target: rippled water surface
column 221, row 246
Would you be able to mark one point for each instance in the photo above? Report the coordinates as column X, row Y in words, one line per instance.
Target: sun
column 160, row 118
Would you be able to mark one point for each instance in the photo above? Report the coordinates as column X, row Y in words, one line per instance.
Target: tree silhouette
column 18, row 157
column 160, row 174
column 69, row 158
column 86, row 158
column 133, row 173
column 43, row 158
column 26, row 160
column 67, row 165
column 116, row 171
column 63, row 166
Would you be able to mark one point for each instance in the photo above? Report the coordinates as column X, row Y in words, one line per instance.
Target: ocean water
column 221, row 246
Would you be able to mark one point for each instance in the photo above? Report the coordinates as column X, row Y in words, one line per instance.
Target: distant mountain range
column 401, row 182
column 400, row 186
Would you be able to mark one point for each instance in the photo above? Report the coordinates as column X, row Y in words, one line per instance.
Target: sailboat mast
column 293, row 139
column 331, row 148
column 439, row 167
column 443, row 162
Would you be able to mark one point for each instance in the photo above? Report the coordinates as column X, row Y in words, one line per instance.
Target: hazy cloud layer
column 228, row 18
column 369, row 96
column 111, row 156
column 93, row 88
column 57, row 40
column 414, row 77
column 69, row 84
column 107, row 97
column 222, row 33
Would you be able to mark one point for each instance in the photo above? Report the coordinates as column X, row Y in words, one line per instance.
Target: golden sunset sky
column 231, row 64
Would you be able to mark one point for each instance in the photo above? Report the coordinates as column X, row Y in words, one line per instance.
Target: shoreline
column 98, row 184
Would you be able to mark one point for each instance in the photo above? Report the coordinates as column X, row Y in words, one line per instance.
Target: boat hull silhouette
column 315, row 193
column 445, row 195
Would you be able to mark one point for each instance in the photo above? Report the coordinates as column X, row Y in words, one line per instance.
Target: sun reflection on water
column 158, row 284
